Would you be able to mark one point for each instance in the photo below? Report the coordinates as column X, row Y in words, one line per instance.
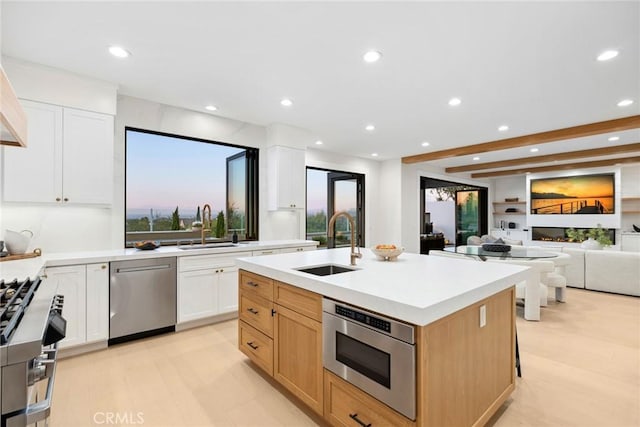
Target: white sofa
column 603, row 270
column 612, row 271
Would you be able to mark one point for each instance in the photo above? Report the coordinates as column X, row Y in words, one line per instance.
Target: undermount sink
column 326, row 270
column 208, row 246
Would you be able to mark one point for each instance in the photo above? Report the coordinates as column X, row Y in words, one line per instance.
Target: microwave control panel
column 367, row 319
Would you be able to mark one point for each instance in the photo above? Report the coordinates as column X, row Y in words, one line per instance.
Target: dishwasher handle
column 142, row 268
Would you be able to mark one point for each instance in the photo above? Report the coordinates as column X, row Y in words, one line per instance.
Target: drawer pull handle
column 250, row 344
column 355, row 417
column 252, row 311
column 255, row 285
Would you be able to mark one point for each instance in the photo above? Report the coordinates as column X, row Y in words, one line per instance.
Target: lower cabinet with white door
column 207, row 286
column 85, row 289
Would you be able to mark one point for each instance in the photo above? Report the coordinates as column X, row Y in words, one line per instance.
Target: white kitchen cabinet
column 86, row 301
column 286, row 178
column 72, row 284
column 207, row 285
column 197, row 294
column 228, row 290
column 97, row 302
column 33, row 174
column 69, row 159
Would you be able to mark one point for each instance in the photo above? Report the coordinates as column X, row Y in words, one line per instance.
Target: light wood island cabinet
column 280, row 330
column 465, row 361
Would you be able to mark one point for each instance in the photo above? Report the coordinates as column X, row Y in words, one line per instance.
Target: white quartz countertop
column 418, row 289
column 21, row 269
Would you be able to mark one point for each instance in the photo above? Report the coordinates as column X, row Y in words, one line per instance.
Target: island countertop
column 418, row 289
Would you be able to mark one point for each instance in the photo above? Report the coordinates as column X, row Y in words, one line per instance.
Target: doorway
column 452, row 210
column 328, row 192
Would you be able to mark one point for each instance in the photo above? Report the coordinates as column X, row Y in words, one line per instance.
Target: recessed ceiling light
column 318, row 142
column 503, row 128
column 425, row 144
column 534, row 150
column 614, row 138
column 372, row 56
column 607, row 55
column 374, row 154
column 476, row 158
column 286, row 102
column 625, row 103
column 455, row 101
column 370, row 128
column 119, row 52
column 211, row 107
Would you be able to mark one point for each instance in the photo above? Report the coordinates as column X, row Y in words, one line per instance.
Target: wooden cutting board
column 33, row 254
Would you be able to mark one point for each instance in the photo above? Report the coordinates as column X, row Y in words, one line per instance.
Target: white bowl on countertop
column 390, row 254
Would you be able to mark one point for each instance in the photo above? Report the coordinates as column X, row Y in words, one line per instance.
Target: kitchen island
column 462, row 312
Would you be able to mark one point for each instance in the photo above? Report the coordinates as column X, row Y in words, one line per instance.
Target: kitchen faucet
column 206, row 213
column 352, row 225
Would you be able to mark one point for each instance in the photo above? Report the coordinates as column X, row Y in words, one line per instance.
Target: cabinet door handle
column 58, row 199
column 103, row 266
column 66, row 199
column 250, row 344
column 355, row 418
column 273, row 312
column 255, row 285
column 252, row 311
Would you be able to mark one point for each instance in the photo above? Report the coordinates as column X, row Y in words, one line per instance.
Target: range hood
column 13, row 119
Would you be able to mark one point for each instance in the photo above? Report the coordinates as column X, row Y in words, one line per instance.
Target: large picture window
column 170, row 179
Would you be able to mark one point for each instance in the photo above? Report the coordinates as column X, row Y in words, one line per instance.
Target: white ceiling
column 531, row 65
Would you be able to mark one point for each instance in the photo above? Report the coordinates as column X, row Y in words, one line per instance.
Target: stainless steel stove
column 31, row 324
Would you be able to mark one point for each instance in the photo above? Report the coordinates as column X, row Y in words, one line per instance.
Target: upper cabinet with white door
column 286, row 177
column 69, row 159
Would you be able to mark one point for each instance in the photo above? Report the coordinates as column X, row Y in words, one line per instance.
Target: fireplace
column 559, row 234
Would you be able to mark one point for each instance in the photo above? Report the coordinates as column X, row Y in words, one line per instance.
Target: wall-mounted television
column 573, row 195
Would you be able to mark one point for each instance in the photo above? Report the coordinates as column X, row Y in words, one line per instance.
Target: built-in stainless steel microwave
column 372, row 352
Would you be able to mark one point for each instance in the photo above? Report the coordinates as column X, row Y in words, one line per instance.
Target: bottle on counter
column 234, row 238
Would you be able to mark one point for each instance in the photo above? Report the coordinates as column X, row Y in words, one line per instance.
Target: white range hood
column 13, row 119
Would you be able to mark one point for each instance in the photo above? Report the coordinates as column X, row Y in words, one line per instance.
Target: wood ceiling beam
column 565, row 166
column 596, row 152
column 616, row 125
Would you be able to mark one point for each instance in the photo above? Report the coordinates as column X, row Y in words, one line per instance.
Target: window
column 170, row 178
column 329, row 192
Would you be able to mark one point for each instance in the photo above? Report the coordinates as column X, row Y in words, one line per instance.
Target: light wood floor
column 581, row 367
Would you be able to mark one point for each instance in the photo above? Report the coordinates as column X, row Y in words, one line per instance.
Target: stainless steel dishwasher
column 142, row 298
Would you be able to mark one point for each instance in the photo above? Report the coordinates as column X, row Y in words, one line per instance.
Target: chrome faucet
column 352, row 225
column 206, row 223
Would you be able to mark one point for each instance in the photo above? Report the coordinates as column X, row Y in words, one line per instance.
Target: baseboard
column 206, row 321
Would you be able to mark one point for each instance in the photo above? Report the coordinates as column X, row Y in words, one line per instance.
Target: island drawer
column 257, row 346
column 257, row 312
column 304, row 302
column 347, row 405
column 256, row 284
